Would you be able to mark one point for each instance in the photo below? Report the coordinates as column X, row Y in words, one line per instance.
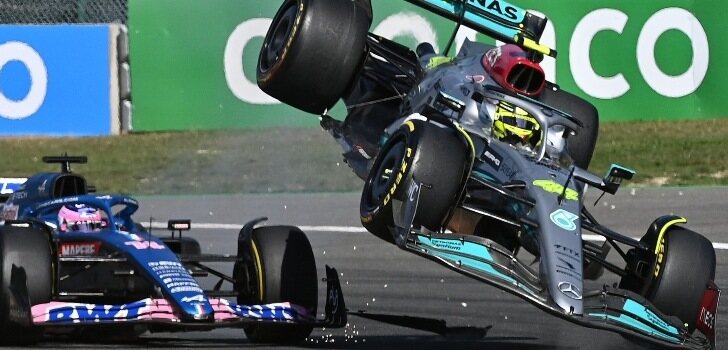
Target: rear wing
column 495, row 18
column 8, row 185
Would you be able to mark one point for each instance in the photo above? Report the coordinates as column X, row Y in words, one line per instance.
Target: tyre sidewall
column 685, row 263
column 376, row 215
column 433, row 156
column 25, row 251
column 315, row 69
column 285, row 271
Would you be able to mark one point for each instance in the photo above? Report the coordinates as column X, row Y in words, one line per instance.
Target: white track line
column 348, row 229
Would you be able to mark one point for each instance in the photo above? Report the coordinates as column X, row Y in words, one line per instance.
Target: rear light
column 511, row 68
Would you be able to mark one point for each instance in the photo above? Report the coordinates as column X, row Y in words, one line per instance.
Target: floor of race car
column 382, row 279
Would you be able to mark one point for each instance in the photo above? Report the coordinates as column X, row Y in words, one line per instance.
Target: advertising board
column 193, row 63
column 55, row 80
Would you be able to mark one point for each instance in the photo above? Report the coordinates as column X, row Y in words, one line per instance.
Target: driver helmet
column 79, row 218
column 515, row 126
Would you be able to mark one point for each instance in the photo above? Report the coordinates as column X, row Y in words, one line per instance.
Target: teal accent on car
column 472, row 249
column 643, row 312
column 449, row 7
column 632, row 323
column 483, row 176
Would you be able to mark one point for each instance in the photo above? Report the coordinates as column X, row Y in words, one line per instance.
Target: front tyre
column 688, row 264
column 680, row 266
column 25, row 255
column 312, row 52
column 422, row 152
column 285, row 271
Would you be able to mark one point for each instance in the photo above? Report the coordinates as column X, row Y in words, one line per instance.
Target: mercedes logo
column 570, row 290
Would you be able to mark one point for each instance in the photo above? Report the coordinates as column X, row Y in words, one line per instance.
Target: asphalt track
column 382, row 279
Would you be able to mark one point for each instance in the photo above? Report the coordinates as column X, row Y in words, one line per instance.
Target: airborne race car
column 469, row 160
column 72, row 261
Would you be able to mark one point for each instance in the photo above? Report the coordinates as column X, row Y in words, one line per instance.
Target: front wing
column 609, row 308
column 161, row 311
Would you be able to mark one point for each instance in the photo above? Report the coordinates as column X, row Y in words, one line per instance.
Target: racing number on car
column 553, row 187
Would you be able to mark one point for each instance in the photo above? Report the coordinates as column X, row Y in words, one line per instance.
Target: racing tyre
column 688, row 264
column 25, row 255
column 431, row 155
column 581, row 146
column 286, row 272
column 312, row 52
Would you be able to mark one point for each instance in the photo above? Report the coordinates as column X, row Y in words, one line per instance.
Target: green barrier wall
column 193, row 61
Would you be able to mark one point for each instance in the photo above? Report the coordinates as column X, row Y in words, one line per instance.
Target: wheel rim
column 276, row 40
column 384, row 173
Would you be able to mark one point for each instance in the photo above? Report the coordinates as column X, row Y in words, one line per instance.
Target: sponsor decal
column 556, row 188
column 508, row 168
column 491, row 157
column 570, row 290
column 499, row 8
column 199, row 297
column 707, row 317
column 568, row 264
column 452, row 245
column 10, row 212
column 414, row 191
column 476, row 78
column 19, row 195
column 400, row 174
column 58, row 201
column 567, row 268
column 144, row 244
column 160, row 310
column 175, row 276
column 568, row 253
column 564, row 219
column 42, row 186
column 660, row 256
column 493, row 55
column 79, row 249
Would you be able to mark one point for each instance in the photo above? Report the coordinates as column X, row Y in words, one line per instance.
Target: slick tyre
column 581, row 146
column 312, row 52
column 428, row 154
column 286, row 272
column 688, row 264
column 25, row 254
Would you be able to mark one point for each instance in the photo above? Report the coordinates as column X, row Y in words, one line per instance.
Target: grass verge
column 308, row 160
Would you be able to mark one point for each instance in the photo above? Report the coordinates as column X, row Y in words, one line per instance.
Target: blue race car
column 72, row 260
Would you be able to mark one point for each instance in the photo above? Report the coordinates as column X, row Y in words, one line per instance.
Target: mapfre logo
column 80, row 249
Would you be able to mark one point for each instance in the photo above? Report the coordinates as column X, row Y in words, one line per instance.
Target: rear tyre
column 581, row 146
column 431, row 155
column 688, row 264
column 286, row 272
column 312, row 52
column 25, row 255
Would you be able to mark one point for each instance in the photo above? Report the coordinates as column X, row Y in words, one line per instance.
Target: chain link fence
column 62, row 11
